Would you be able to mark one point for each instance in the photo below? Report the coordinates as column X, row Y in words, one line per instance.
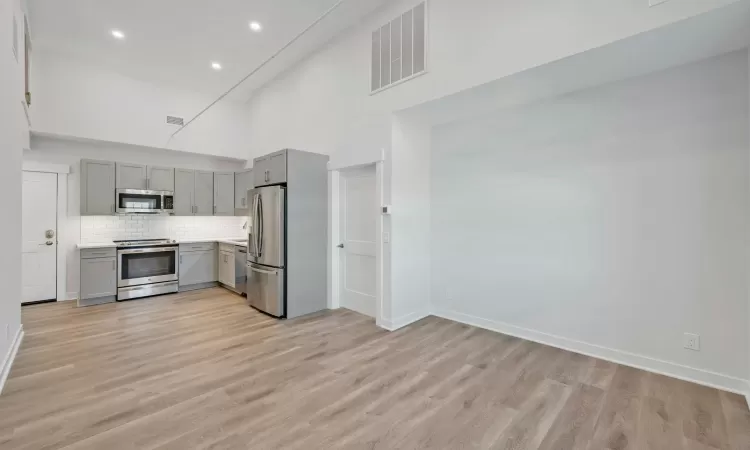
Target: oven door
column 139, row 201
column 139, row 266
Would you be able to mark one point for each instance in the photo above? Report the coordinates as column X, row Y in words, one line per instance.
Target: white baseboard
column 674, row 370
column 10, row 357
column 747, row 394
column 400, row 322
column 71, row 296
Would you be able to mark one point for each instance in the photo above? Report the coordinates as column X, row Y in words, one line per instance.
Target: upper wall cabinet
column 243, row 181
column 131, row 176
column 270, row 169
column 160, row 178
column 97, row 187
column 184, row 192
column 223, row 193
column 204, row 193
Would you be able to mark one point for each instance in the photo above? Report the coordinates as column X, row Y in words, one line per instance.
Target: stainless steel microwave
column 142, row 201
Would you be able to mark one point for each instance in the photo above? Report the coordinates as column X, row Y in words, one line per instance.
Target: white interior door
column 39, row 258
column 358, row 212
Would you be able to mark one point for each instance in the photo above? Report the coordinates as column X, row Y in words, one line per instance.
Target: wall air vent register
column 399, row 49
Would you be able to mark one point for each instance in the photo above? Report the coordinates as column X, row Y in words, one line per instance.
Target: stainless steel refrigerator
column 266, row 250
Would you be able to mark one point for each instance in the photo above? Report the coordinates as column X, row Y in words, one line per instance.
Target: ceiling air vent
column 399, row 49
column 172, row 120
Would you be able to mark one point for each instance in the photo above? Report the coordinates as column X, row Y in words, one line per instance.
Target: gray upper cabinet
column 184, row 191
column 160, row 178
column 223, row 193
column 270, row 169
column 131, row 176
column 97, row 187
column 204, row 193
column 243, row 181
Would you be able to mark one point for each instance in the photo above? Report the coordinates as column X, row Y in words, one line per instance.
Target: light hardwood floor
column 202, row 370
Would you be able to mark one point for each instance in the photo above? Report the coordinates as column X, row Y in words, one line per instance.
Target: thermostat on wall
column 386, row 209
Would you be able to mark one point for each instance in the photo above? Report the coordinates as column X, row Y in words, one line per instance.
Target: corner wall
column 12, row 133
column 609, row 221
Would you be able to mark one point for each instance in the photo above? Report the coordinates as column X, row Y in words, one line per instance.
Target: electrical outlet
column 692, row 342
column 386, row 237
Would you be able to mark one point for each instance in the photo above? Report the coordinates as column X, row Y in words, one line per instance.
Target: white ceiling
column 174, row 41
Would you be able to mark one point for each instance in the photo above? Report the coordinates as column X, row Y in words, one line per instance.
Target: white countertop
column 221, row 240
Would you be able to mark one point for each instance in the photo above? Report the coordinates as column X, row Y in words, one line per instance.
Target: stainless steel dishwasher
column 240, row 269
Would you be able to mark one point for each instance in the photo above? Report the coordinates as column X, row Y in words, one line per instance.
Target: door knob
column 49, row 243
column 49, row 234
column 340, row 245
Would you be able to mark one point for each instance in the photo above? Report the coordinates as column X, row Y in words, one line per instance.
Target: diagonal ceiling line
column 263, row 64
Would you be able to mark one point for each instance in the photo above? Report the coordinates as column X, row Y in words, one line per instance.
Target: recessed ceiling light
column 118, row 34
column 216, row 66
column 255, row 26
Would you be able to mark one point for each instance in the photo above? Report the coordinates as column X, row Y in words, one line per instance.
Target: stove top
column 143, row 242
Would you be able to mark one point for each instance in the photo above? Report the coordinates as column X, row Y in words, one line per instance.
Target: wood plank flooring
column 202, row 370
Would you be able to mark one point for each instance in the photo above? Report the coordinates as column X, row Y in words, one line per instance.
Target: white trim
column 10, row 357
column 670, row 369
column 62, row 236
column 36, row 166
column 334, row 197
column 747, row 394
column 360, row 159
column 400, row 322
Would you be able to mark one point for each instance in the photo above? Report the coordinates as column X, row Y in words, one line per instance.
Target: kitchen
column 149, row 230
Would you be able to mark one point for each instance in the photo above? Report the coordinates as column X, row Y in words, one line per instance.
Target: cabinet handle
column 114, row 267
column 180, row 259
column 214, row 209
column 244, row 201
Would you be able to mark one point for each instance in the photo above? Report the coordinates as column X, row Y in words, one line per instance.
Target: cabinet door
column 97, row 187
column 260, row 171
column 204, row 193
column 277, row 168
column 197, row 267
column 131, row 176
column 184, row 191
column 223, row 193
column 98, row 277
column 243, row 181
column 226, row 268
column 160, row 178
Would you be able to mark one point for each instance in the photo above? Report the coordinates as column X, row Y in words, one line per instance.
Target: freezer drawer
column 265, row 289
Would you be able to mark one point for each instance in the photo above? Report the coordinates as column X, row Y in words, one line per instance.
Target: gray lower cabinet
column 97, row 187
column 223, row 193
column 160, row 178
column 226, row 267
column 198, row 266
column 131, row 176
column 98, row 280
column 243, row 182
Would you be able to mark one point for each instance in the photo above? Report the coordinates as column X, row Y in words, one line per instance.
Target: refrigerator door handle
column 259, row 248
column 267, row 272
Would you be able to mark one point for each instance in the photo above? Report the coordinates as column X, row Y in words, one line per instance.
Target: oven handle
column 147, row 250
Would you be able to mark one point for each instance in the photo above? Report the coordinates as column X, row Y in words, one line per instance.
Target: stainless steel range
column 146, row 267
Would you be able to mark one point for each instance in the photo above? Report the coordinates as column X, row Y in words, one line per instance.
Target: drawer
column 88, row 253
column 197, row 247
column 226, row 248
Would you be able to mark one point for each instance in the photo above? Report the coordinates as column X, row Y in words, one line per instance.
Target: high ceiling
column 174, row 42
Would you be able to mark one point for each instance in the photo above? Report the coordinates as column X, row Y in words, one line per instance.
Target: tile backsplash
column 96, row 229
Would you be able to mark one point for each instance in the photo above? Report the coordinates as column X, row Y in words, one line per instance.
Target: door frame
column 334, row 233
column 62, row 171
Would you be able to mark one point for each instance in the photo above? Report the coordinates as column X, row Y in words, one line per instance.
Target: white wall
column 12, row 131
column 609, row 221
column 68, row 152
column 323, row 105
column 79, row 99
